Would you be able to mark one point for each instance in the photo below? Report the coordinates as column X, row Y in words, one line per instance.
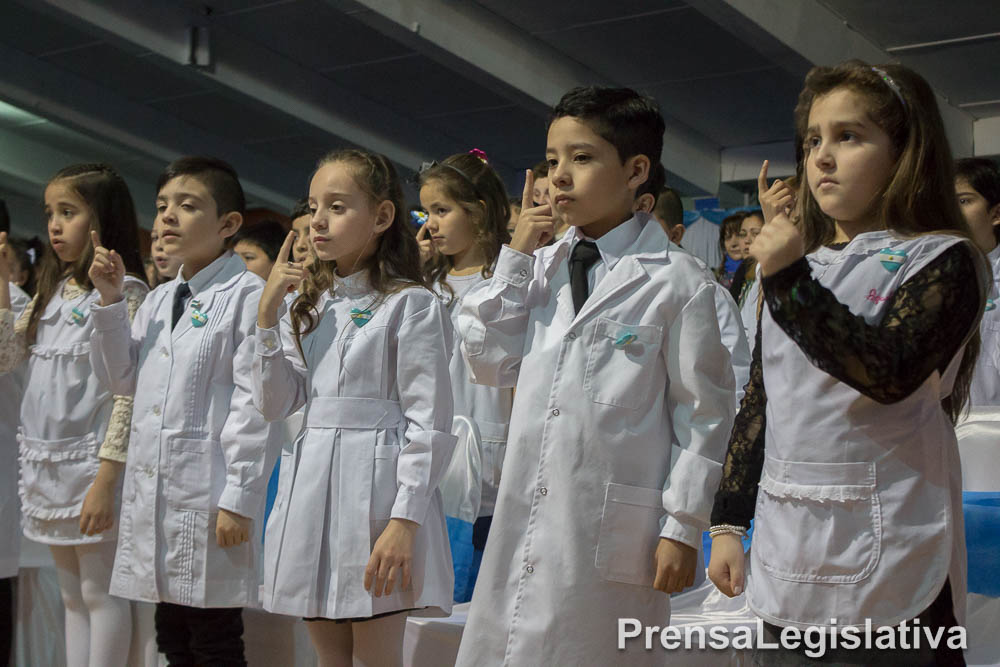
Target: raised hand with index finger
column 774, row 199
column 780, row 243
column 107, row 272
column 426, row 245
column 285, row 277
column 535, row 226
column 5, row 262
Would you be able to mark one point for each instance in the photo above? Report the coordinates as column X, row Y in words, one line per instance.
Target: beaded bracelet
column 727, row 529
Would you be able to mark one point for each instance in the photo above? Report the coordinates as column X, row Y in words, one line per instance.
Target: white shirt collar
column 203, row 279
column 613, row 244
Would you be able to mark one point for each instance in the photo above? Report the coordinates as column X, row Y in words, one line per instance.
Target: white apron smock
column 859, row 512
column 197, row 443
column 64, row 418
column 375, row 443
column 487, row 407
column 985, row 389
column 12, row 389
column 620, row 422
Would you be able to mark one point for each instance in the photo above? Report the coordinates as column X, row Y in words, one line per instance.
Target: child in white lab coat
column 977, row 187
column 866, row 346
column 467, row 215
column 357, row 535
column 74, row 433
column 612, row 338
column 201, row 454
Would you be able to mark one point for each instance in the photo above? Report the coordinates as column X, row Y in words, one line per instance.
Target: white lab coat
column 859, row 513
column 375, row 444
column 748, row 312
column 197, row 445
column 488, row 407
column 985, row 388
column 737, row 339
column 64, row 418
column 591, row 480
column 12, row 389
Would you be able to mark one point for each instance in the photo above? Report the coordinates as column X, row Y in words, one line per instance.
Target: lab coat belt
column 339, row 412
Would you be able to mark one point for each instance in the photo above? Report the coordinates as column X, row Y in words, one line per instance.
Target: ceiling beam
column 242, row 70
column 478, row 44
column 62, row 97
column 803, row 33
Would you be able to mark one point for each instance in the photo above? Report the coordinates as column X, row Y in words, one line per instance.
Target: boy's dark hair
column 541, row 170
column 218, row 176
column 4, row 217
column 983, row 175
column 631, row 122
column 654, row 184
column 669, row 207
column 268, row 235
column 300, row 209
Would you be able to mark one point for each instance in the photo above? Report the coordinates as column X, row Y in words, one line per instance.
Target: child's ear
column 638, row 168
column 384, row 215
column 231, row 223
column 994, row 215
column 645, row 203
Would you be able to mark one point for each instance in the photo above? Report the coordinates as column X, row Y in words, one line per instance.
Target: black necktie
column 180, row 296
column 585, row 254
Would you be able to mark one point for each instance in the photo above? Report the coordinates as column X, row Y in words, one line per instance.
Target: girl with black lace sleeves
column 844, row 451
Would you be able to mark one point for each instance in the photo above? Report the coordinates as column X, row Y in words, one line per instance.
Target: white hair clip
column 892, row 84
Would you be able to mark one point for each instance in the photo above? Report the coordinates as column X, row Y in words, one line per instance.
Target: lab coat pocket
column 56, row 475
column 620, row 361
column 189, row 483
column 630, row 532
column 494, row 438
column 818, row 522
column 384, row 484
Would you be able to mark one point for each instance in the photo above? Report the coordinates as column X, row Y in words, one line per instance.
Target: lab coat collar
column 650, row 245
column 80, row 299
column 218, row 276
column 612, row 245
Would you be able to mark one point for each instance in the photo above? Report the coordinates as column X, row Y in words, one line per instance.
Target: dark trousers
column 191, row 637
column 6, row 619
column 941, row 614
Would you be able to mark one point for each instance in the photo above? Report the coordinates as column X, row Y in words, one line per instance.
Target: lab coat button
column 571, row 336
column 523, row 273
column 555, row 413
column 156, row 410
column 529, row 569
column 164, row 353
column 544, row 491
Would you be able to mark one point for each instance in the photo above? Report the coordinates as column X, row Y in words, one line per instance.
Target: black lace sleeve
column 737, row 495
column 927, row 321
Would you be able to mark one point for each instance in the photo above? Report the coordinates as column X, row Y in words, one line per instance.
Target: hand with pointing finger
column 426, row 245
column 107, row 272
column 775, row 199
column 535, row 226
column 780, row 243
column 6, row 270
column 284, row 278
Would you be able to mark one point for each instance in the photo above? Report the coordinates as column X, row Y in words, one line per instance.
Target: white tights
column 375, row 643
column 98, row 626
